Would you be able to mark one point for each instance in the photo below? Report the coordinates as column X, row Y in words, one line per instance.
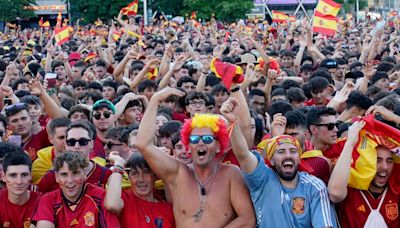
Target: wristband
column 235, row 89
column 117, row 169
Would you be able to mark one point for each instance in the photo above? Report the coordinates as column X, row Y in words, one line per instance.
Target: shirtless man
column 205, row 193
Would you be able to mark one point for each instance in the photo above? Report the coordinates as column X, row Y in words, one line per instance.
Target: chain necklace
column 202, row 193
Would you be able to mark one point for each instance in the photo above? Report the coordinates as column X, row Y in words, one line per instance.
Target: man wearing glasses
column 205, row 193
column 323, row 127
column 79, row 139
column 103, row 118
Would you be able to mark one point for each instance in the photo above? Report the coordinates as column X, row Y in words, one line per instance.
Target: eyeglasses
column 198, row 103
column 109, row 145
column 330, row 126
column 106, row 115
column 81, row 141
column 195, row 139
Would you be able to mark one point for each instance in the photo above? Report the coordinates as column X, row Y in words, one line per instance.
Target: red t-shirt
column 98, row 149
column 230, row 158
column 354, row 211
column 12, row 215
column 35, row 143
column 138, row 213
column 88, row 212
column 332, row 152
column 320, row 168
column 99, row 177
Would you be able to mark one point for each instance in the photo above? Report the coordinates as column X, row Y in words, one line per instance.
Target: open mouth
column 201, row 153
column 288, row 164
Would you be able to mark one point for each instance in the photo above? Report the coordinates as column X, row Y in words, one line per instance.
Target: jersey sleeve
column 259, row 176
column 322, row 211
column 44, row 209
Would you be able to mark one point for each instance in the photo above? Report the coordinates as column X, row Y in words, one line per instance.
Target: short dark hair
column 75, row 161
column 137, row 161
column 195, row 95
column 385, row 66
column 18, row 158
column 295, row 118
column 82, row 124
column 115, row 133
column 359, row 100
column 19, row 81
column 212, row 80
column 295, row 94
column 219, row 88
column 279, row 107
column 16, row 108
column 317, row 84
column 56, row 123
column 95, row 85
column 255, row 92
column 4, row 120
column 31, row 100
column 185, row 79
column 169, row 128
column 110, row 83
column 79, row 83
column 94, row 95
column 79, row 108
column 147, row 84
column 56, row 63
column 314, row 114
column 8, row 148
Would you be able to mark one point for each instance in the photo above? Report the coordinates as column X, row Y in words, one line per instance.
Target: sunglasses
column 195, row 139
column 109, row 145
column 330, row 126
column 81, row 141
column 106, row 115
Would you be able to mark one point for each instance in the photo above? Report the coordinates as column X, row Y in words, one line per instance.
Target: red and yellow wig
column 214, row 122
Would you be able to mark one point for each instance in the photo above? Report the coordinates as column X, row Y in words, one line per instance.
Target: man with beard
column 295, row 199
column 354, row 206
column 217, row 192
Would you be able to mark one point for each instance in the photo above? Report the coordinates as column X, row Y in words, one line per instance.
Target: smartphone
column 7, row 101
column 51, row 80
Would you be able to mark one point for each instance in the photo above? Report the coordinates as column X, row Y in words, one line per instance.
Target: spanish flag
column 227, row 72
column 279, row 17
column 328, row 7
column 292, row 19
column 152, row 73
column 131, row 9
column 326, row 25
column 363, row 167
column 61, row 34
column 116, row 35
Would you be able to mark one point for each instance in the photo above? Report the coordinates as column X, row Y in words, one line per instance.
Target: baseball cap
column 104, row 103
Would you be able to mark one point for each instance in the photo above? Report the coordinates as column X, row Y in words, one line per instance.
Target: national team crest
column 298, row 205
column 89, row 218
column 392, row 211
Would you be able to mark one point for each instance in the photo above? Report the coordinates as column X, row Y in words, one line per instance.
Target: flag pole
column 145, row 12
column 357, row 9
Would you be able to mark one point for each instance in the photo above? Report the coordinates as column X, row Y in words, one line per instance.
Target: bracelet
column 235, row 89
column 117, row 169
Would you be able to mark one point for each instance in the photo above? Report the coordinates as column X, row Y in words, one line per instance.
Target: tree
column 169, row 7
column 11, row 9
column 90, row 10
column 225, row 10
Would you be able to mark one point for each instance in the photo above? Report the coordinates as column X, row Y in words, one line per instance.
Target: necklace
column 202, row 193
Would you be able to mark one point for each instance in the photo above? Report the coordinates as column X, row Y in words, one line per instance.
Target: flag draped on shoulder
column 328, row 7
column 363, row 167
column 279, row 17
column 61, row 34
column 131, row 9
column 227, row 72
column 324, row 24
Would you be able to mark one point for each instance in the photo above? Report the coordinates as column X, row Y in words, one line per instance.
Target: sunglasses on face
column 109, row 145
column 106, row 115
column 195, row 139
column 330, row 126
column 81, row 141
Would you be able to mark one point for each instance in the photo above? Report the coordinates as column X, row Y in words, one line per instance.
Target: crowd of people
column 246, row 124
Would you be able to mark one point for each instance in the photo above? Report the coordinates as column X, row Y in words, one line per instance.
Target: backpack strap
column 380, row 202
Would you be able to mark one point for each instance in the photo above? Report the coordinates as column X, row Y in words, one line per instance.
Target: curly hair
column 214, row 122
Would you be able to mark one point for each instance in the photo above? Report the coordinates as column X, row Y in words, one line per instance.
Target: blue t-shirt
column 307, row 205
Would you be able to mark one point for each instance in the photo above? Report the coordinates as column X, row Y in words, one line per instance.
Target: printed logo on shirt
column 361, row 208
column 6, row 224
column 89, row 218
column 298, row 205
column 392, row 211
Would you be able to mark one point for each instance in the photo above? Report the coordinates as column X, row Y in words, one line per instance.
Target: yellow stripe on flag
column 328, row 7
column 278, row 16
column 326, row 25
column 61, row 35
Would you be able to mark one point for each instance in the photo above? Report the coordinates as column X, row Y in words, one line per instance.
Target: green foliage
column 90, row 10
column 169, row 7
column 11, row 9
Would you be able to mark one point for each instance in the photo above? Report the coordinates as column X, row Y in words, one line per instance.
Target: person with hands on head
column 385, row 113
column 296, row 199
column 218, row 192
column 137, row 206
column 355, row 206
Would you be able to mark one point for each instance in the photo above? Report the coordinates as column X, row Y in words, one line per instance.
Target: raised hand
column 278, row 125
column 227, row 109
column 36, row 87
column 354, row 132
column 167, row 92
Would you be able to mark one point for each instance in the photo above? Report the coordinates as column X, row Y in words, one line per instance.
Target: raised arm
column 113, row 201
column 165, row 166
column 337, row 186
column 248, row 161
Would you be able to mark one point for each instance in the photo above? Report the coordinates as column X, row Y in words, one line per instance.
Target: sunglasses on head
column 106, row 115
column 330, row 126
column 81, row 141
column 195, row 139
column 17, row 105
